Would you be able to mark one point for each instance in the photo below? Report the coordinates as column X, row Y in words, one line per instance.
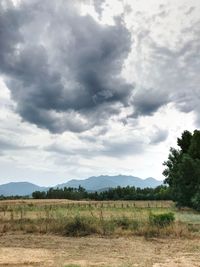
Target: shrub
column 107, row 227
column 196, row 201
column 161, row 220
column 135, row 225
column 123, row 222
column 126, row 223
column 80, row 226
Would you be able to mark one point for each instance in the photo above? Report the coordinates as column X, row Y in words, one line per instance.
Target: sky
column 95, row 87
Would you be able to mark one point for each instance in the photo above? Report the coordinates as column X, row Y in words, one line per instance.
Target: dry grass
column 56, row 251
column 103, row 218
column 66, row 202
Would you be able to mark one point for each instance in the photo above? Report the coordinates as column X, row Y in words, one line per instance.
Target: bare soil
column 17, row 249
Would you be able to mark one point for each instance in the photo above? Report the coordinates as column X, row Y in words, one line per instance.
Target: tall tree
column 183, row 169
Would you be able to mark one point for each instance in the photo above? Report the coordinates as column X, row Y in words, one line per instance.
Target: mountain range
column 19, row 189
column 94, row 183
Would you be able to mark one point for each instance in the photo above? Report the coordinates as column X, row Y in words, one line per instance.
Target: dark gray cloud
column 8, row 145
column 159, row 136
column 63, row 69
column 148, row 101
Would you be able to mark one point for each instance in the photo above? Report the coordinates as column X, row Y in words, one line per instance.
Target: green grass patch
column 161, row 220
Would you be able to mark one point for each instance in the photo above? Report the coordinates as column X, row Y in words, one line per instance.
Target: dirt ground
column 55, row 251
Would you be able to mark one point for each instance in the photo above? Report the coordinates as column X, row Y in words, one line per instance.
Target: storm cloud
column 148, row 101
column 90, row 87
column 63, row 69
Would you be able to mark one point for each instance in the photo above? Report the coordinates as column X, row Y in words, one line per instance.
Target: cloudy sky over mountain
column 95, row 87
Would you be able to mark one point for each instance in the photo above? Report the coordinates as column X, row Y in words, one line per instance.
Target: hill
column 96, row 183
column 19, row 188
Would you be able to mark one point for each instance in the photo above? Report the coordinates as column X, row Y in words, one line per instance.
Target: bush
column 126, row 223
column 123, row 222
column 80, row 226
column 196, row 201
column 161, row 220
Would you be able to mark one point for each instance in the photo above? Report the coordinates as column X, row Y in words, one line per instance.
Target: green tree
column 183, row 169
column 39, row 194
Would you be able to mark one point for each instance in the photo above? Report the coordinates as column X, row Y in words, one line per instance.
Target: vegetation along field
column 116, row 233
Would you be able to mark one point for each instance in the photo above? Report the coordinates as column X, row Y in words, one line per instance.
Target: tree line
column 120, row 193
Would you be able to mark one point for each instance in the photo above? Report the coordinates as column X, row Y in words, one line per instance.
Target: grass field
column 104, row 218
column 83, row 233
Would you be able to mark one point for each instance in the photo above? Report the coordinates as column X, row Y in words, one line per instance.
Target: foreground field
column 55, row 251
column 116, row 234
